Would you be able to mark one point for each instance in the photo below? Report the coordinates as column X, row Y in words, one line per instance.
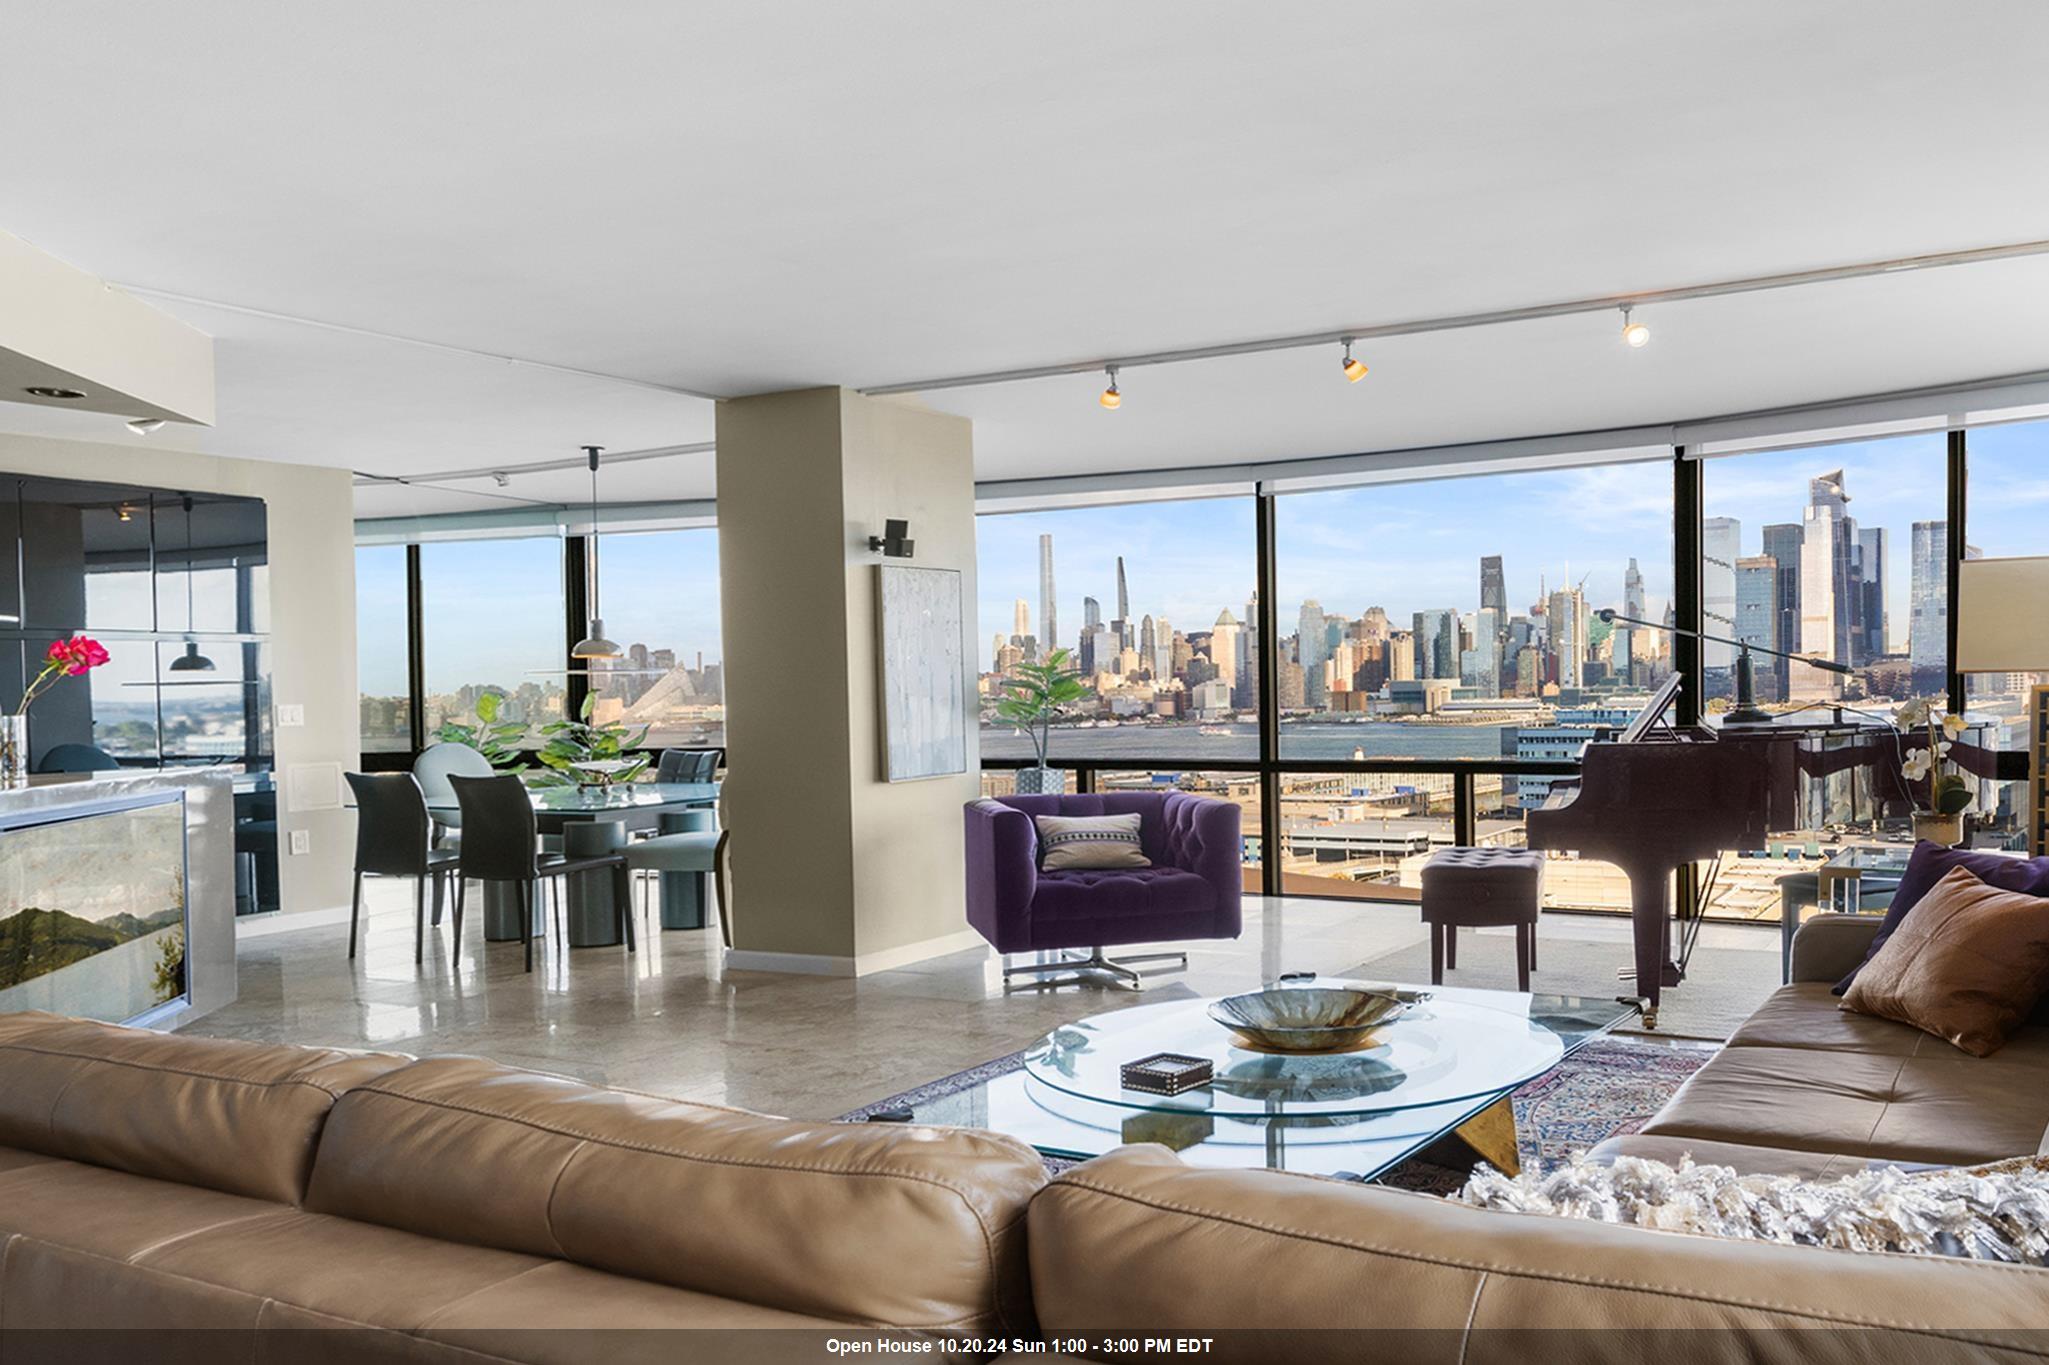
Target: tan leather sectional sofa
column 453, row 1209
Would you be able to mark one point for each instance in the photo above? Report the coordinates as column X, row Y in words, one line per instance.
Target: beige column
column 834, row 869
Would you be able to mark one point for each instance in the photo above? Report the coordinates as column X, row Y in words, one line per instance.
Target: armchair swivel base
column 1119, row 968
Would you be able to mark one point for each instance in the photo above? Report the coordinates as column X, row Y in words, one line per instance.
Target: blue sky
column 493, row 609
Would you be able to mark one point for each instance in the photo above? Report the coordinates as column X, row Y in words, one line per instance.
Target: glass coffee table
column 1439, row 1077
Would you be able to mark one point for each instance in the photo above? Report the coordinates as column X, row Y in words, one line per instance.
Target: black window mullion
column 1958, row 542
column 1268, row 661
column 416, row 654
column 576, row 613
column 1686, row 604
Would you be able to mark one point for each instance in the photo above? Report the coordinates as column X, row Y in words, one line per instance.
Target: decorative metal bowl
column 1312, row 1019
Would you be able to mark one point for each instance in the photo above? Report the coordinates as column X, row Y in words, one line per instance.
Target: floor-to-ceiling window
column 1836, row 552
column 661, row 600
column 1456, row 621
column 492, row 621
column 1155, row 605
column 382, row 669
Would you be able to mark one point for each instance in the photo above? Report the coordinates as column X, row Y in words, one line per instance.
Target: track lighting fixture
column 143, row 426
column 1634, row 333
column 1111, row 398
column 1355, row 370
column 502, row 479
column 594, row 645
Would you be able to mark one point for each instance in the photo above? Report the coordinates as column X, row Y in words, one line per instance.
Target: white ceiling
column 751, row 197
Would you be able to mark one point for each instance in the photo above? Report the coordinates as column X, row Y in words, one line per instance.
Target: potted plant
column 63, row 659
column 1037, row 694
column 1939, row 805
column 497, row 740
column 589, row 755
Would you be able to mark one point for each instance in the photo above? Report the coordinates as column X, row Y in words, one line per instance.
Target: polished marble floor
column 671, row 1022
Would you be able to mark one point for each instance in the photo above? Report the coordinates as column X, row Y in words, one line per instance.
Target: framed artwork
column 924, row 694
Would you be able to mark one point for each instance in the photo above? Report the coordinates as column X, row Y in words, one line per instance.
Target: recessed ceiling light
column 44, row 391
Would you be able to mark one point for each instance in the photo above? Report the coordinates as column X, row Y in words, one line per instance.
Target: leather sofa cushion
column 879, row 1224
column 1138, row 1242
column 1936, row 1105
column 1739, row 1157
column 1807, row 1014
column 238, row 1117
column 85, row 1247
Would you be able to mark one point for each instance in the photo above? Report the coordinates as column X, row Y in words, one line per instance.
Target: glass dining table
column 599, row 820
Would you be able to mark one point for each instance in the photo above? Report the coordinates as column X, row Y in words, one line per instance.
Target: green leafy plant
column 1038, row 694
column 497, row 740
column 570, row 744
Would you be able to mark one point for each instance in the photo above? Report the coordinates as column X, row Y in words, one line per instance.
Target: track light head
column 1634, row 333
column 1111, row 398
column 1355, row 370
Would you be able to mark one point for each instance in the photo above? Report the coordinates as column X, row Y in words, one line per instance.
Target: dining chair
column 393, row 839
column 77, row 758
column 439, row 762
column 689, row 765
column 501, row 842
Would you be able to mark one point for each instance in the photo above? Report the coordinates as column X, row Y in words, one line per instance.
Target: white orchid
column 1916, row 765
column 1953, row 726
column 1911, row 714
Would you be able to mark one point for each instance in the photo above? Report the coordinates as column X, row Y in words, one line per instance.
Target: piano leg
column 1650, row 909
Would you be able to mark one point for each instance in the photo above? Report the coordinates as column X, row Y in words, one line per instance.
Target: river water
column 1187, row 745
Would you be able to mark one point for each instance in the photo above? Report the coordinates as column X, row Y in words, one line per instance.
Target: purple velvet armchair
column 1194, row 888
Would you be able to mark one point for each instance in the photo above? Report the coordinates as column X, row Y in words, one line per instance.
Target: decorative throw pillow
column 1966, row 964
column 1993, row 1213
column 1070, row 843
column 1926, row 866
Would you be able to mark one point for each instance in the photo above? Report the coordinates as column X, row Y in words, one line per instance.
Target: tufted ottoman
column 1467, row 887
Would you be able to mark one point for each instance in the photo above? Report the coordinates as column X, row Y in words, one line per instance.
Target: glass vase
column 13, row 751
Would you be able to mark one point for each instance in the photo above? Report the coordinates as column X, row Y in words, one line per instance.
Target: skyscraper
column 1928, row 605
column 1827, row 598
column 1020, row 621
column 1493, row 587
column 1873, row 549
column 1622, row 649
column 1311, row 650
column 1566, row 616
column 1123, row 597
column 1721, row 545
column 1782, row 542
column 1148, row 650
column 1091, row 624
column 1049, row 636
column 1436, row 643
column 1224, row 651
column 1757, row 617
column 1480, row 666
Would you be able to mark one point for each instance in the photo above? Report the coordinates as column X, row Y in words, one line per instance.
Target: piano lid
column 1654, row 710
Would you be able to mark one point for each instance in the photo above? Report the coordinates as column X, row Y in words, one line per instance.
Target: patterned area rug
column 1608, row 1087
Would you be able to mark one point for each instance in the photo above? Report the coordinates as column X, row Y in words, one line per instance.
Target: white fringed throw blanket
column 1995, row 1213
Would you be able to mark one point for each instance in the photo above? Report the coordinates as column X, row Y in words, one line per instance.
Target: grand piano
column 1657, row 797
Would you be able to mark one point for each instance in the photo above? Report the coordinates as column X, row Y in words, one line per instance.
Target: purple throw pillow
column 1929, row 863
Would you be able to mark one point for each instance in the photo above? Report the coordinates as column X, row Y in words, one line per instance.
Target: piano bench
column 1484, row 888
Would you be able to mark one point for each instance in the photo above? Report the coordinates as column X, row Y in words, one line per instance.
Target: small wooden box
column 1166, row 1073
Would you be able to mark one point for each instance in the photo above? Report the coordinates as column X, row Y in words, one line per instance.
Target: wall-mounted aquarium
column 93, row 905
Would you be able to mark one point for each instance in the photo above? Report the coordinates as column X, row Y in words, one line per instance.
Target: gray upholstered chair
column 689, row 765
column 435, row 765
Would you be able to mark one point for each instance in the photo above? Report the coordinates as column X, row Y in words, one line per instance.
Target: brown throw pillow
column 1967, row 963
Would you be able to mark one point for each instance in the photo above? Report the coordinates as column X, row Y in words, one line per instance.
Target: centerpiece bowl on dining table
column 1311, row 1019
